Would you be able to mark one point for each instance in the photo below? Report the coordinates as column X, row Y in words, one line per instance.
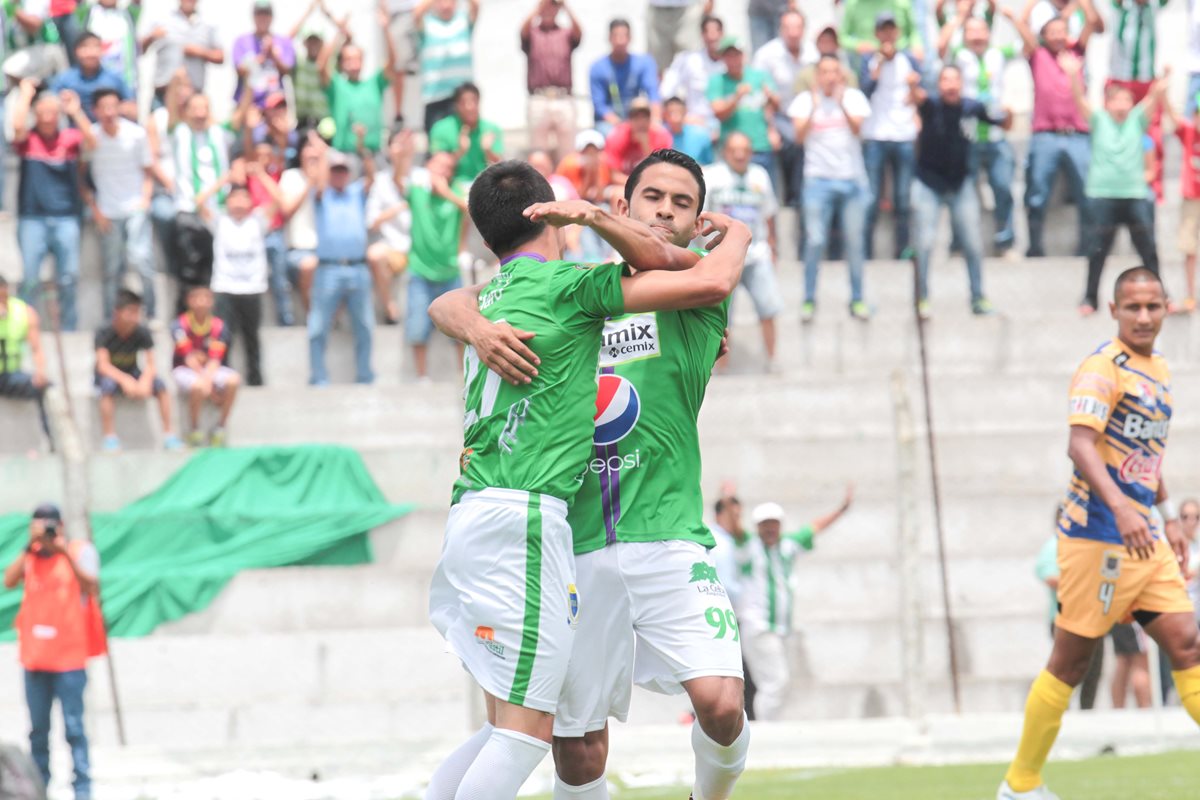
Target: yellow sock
column 1048, row 701
column 1187, row 683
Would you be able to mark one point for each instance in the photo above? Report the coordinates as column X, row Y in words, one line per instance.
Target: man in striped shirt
column 444, row 31
column 765, row 605
column 1134, row 46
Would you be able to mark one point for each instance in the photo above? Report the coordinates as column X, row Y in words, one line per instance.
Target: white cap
column 767, row 511
column 592, row 137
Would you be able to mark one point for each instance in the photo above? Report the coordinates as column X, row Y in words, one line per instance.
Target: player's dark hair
column 666, row 156
column 1139, row 274
column 711, row 19
column 84, row 38
column 724, row 503
column 619, row 22
column 464, row 88
column 499, row 197
column 100, row 94
column 126, row 298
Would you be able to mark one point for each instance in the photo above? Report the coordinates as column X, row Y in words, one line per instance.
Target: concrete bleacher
column 307, row 655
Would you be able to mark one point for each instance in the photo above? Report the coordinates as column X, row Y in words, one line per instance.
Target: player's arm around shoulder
column 707, row 284
column 501, row 347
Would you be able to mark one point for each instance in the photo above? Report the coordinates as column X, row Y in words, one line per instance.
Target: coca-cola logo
column 1140, row 466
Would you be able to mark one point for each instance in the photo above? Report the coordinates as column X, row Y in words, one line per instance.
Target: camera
column 50, row 530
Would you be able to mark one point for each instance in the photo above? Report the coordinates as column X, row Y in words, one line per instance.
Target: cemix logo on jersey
column 630, row 338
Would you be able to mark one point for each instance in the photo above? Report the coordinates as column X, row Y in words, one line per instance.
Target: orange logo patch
column 485, row 634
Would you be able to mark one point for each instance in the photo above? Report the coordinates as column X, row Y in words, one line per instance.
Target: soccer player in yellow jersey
column 1115, row 560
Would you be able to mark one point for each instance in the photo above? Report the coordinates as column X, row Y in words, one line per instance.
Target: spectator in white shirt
column 687, row 77
column 179, row 38
column 890, row 132
column 390, row 219
column 828, row 122
column 299, row 220
column 783, row 58
column 240, row 270
column 121, row 171
column 741, row 189
column 201, row 155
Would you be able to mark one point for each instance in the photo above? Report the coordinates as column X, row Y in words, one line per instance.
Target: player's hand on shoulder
column 723, row 226
column 502, row 348
column 563, row 212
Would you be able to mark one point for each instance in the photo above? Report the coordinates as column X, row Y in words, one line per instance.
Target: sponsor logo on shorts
column 1087, row 406
column 1140, row 467
column 629, row 338
column 1110, row 567
column 1138, row 427
column 487, row 637
column 705, row 576
column 572, row 605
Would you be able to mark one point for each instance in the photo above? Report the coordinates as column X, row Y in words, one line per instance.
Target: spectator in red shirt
column 1189, row 179
column 201, row 342
column 631, row 141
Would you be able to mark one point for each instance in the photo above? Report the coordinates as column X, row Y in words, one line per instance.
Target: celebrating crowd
column 317, row 193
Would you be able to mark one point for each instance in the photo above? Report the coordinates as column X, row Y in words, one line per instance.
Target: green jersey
column 642, row 483
column 536, row 437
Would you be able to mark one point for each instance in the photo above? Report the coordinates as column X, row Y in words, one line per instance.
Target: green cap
column 729, row 42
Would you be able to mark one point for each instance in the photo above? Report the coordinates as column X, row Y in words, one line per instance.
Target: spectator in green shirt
column 353, row 97
column 1117, row 189
column 476, row 143
column 744, row 100
column 438, row 203
column 858, row 26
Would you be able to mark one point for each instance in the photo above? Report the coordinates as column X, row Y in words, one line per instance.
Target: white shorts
column 657, row 616
column 185, row 378
column 503, row 594
column 762, row 284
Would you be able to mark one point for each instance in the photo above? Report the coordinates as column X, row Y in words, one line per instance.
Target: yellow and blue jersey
column 1127, row 398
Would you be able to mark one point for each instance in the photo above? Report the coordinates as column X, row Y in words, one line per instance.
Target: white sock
column 449, row 774
column 504, row 763
column 596, row 790
column 718, row 767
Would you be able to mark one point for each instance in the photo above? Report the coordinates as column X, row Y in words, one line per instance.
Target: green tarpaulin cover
column 170, row 553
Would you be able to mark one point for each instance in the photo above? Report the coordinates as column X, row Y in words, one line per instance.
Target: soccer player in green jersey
column 654, row 610
column 503, row 594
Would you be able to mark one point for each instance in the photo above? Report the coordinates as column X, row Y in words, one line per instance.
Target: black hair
column 1139, row 274
column 709, row 19
column 85, row 37
column 673, row 101
column 724, row 502
column 187, row 290
column 666, row 156
column 126, row 298
column 100, row 94
column 464, row 88
column 499, row 197
column 238, row 187
column 619, row 22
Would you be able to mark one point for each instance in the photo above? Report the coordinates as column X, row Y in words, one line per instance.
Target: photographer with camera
column 59, row 628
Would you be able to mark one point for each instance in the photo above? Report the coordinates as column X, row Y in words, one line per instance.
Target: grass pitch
column 1171, row 776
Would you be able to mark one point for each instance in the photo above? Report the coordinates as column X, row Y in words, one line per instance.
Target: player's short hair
column 666, row 156
column 1140, row 274
column 498, row 199
column 712, row 19
column 724, row 503
column 464, row 88
column 100, row 94
column 127, row 298
column 619, row 22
